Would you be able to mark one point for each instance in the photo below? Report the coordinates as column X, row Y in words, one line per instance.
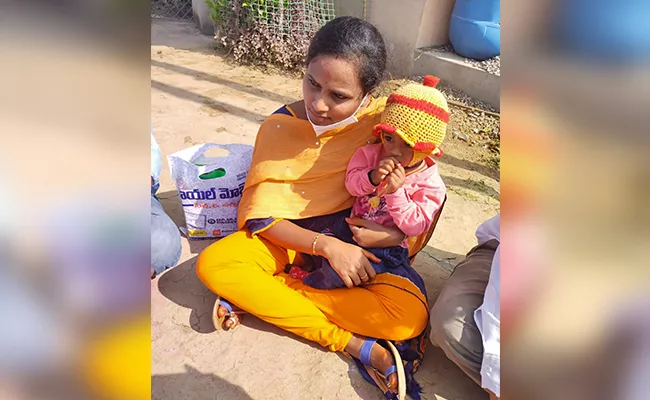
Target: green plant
column 257, row 9
column 217, row 9
column 263, row 10
column 260, row 32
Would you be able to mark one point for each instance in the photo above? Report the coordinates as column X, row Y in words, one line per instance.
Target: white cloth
column 488, row 315
column 156, row 159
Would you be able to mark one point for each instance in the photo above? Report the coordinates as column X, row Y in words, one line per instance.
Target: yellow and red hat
column 419, row 114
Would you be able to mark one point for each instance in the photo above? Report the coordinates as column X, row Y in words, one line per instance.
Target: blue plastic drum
column 475, row 28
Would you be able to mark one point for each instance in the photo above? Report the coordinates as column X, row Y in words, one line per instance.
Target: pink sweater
column 411, row 208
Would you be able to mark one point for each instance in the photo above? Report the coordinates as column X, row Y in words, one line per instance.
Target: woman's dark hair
column 356, row 40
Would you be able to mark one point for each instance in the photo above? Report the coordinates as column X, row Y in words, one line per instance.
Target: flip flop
column 382, row 379
column 401, row 374
column 219, row 321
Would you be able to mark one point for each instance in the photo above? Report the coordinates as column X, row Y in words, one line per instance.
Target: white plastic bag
column 210, row 204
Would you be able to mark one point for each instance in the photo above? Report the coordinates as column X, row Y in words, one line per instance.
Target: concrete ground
column 198, row 97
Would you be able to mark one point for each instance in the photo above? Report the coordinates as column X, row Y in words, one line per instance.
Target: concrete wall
column 399, row 23
column 408, row 25
column 202, row 17
column 353, row 8
column 434, row 26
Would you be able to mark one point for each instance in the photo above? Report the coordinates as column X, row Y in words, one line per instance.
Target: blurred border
column 74, row 219
column 574, row 104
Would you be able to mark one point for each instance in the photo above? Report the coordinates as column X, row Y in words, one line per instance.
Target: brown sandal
column 381, row 379
column 219, row 322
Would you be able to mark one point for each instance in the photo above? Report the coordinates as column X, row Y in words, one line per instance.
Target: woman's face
column 331, row 90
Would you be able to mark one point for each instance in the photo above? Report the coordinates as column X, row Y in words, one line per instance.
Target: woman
column 295, row 188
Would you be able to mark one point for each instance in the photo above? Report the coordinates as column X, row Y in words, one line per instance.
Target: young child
column 396, row 182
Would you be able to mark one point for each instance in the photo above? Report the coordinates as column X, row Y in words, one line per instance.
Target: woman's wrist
column 323, row 245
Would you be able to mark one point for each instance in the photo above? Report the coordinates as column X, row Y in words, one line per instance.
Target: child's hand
column 384, row 168
column 396, row 179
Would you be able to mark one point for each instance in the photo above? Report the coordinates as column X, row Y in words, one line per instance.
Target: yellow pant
column 248, row 272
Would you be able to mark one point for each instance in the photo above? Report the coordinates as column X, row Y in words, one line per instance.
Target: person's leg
column 240, row 269
column 165, row 239
column 381, row 311
column 453, row 327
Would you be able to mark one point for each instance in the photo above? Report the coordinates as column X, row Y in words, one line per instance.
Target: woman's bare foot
column 380, row 358
column 231, row 322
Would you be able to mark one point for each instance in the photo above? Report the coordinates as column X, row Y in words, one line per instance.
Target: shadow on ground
column 471, row 166
column 442, row 379
column 471, row 184
column 250, row 89
column 192, row 384
column 182, row 286
column 172, row 205
column 215, row 105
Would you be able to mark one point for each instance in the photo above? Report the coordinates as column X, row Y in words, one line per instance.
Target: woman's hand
column 370, row 234
column 349, row 261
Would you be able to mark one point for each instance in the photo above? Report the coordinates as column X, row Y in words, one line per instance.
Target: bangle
column 313, row 244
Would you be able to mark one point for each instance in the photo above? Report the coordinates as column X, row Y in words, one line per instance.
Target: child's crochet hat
column 418, row 114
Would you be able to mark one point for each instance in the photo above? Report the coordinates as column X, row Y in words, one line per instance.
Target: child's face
column 396, row 146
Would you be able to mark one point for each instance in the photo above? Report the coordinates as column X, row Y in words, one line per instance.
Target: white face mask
column 320, row 129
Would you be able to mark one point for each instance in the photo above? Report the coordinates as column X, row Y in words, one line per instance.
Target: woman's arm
column 370, row 234
column 291, row 236
column 349, row 261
